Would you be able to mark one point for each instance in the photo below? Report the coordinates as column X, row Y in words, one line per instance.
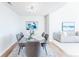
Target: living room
column 65, row 28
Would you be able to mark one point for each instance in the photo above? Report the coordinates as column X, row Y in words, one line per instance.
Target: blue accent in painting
column 31, row 26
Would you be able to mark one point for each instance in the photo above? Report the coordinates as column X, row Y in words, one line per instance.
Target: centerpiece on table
column 31, row 26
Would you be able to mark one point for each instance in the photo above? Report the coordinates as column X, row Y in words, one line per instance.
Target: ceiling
column 34, row 8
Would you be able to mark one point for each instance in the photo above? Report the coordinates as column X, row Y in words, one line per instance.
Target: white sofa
column 66, row 36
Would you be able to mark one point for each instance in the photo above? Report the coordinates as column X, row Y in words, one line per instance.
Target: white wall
column 68, row 13
column 41, row 24
column 47, row 24
column 9, row 25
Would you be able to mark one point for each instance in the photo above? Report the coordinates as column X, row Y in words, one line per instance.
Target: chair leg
column 19, row 50
column 46, row 50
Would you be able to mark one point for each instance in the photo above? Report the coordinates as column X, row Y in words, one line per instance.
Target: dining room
column 25, row 29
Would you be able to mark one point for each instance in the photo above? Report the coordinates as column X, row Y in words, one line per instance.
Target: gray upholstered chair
column 43, row 44
column 19, row 36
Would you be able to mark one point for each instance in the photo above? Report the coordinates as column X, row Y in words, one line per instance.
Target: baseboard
column 9, row 50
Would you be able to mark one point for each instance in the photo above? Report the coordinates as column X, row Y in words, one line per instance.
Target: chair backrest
column 19, row 36
column 43, row 34
column 46, row 36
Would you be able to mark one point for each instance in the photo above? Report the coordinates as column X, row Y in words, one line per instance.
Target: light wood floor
column 58, row 50
column 52, row 50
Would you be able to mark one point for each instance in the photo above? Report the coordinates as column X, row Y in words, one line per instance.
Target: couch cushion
column 71, row 33
column 73, row 39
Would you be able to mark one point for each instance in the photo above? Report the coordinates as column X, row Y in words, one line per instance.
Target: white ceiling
column 35, row 8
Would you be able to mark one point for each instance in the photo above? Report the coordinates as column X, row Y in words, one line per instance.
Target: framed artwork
column 68, row 26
